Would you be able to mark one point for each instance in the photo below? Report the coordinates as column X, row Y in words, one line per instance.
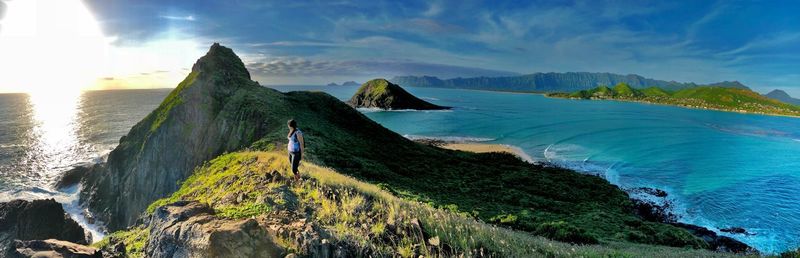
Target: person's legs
column 294, row 158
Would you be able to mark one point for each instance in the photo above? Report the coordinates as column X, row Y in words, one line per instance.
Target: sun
column 50, row 47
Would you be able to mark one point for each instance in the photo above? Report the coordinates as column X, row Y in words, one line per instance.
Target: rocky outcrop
column 52, row 248
column 652, row 204
column 380, row 93
column 214, row 110
column 717, row 242
column 37, row 220
column 71, row 177
column 190, row 229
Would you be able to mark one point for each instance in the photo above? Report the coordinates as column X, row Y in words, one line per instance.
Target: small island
column 380, row 93
column 704, row 97
column 347, row 83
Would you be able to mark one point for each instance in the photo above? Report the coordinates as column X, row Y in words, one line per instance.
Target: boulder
column 53, row 248
column 736, row 230
column 71, row 177
column 190, row 229
column 37, row 220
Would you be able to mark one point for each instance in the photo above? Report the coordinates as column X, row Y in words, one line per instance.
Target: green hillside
column 717, row 98
column 388, row 226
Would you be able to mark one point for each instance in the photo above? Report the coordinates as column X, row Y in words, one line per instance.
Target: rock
column 716, row 242
column 190, row 229
column 380, row 93
column 71, row 177
column 736, row 230
column 54, row 248
column 649, row 190
column 651, row 211
column 37, row 220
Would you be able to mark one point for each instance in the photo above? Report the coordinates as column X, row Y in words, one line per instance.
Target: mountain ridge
column 783, row 97
column 548, row 82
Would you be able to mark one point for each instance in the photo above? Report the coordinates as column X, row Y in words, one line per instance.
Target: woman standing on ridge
column 296, row 147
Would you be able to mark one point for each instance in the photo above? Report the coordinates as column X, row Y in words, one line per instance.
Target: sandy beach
column 485, row 147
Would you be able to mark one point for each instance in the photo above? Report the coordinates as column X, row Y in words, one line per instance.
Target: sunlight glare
column 50, row 47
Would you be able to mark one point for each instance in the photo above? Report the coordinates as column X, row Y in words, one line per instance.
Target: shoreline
column 680, row 106
column 545, row 94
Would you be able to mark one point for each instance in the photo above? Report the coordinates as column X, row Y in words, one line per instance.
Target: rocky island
column 380, row 93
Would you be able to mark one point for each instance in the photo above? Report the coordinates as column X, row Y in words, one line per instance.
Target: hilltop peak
column 220, row 59
column 380, row 93
column 782, row 96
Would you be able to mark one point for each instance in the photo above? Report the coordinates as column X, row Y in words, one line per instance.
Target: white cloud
column 179, row 18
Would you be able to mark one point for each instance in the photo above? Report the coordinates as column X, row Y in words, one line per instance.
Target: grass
column 134, row 239
column 172, row 100
column 376, row 221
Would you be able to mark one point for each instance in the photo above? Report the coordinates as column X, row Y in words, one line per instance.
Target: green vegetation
column 372, row 219
column 717, row 98
column 134, row 239
column 172, row 100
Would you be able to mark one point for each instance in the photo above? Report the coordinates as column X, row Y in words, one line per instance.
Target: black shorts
column 294, row 159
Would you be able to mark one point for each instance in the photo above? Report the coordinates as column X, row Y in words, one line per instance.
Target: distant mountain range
column 783, row 97
column 705, row 97
column 551, row 82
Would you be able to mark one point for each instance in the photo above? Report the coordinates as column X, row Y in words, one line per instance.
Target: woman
column 296, row 147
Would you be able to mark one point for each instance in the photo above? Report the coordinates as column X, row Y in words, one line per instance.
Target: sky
column 148, row 43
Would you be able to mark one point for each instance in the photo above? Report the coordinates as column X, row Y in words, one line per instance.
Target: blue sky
column 314, row 42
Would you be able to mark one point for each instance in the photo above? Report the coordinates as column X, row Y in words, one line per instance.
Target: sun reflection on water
column 54, row 134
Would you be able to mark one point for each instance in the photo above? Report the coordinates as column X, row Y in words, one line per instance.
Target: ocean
column 721, row 169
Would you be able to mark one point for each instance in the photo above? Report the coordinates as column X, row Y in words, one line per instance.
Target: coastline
column 680, row 106
column 545, row 94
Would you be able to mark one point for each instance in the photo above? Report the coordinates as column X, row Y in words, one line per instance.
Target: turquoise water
column 722, row 169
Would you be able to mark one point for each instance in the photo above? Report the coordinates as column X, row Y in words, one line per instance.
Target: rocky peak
column 222, row 62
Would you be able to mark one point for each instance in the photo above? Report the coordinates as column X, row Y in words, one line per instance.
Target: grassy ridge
column 366, row 216
column 718, row 98
column 497, row 188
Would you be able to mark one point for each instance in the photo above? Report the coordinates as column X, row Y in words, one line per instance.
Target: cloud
column 298, row 67
column 178, row 18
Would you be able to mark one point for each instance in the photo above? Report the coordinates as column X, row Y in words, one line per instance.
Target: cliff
column 380, row 93
column 212, row 111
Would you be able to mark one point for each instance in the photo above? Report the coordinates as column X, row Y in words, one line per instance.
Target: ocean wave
column 69, row 199
column 459, row 139
column 373, row 110
column 429, row 98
